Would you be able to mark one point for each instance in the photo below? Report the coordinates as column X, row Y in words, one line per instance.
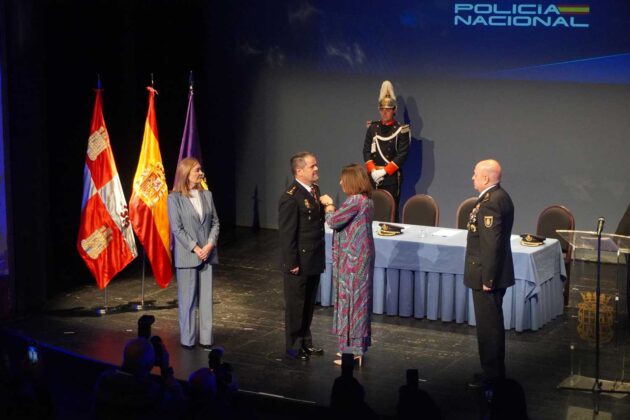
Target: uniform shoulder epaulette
column 405, row 128
column 369, row 123
column 291, row 190
column 486, row 197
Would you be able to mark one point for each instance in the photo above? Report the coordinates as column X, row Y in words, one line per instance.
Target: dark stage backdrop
column 4, row 251
column 7, row 301
column 125, row 42
column 55, row 49
column 543, row 88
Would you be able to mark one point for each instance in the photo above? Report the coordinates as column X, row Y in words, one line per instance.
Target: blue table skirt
column 420, row 274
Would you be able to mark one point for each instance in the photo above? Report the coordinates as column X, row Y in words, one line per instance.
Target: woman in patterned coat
column 353, row 262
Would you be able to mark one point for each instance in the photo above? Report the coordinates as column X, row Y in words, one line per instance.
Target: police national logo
column 151, row 185
column 522, row 14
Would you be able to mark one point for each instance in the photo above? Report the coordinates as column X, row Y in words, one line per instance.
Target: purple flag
column 190, row 140
column 190, row 146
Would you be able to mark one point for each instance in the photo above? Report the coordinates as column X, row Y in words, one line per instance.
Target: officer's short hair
column 297, row 161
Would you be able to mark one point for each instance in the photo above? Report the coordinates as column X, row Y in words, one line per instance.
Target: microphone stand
column 597, row 385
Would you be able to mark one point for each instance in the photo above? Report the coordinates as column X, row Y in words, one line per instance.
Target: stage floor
column 248, row 323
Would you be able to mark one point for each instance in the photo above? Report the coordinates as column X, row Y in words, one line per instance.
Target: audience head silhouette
column 348, row 396
column 139, row 357
column 412, row 400
column 508, row 401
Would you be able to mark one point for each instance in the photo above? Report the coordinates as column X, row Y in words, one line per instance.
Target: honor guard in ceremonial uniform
column 489, row 269
column 301, row 226
column 386, row 145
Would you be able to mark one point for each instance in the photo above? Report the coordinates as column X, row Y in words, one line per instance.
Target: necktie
column 313, row 192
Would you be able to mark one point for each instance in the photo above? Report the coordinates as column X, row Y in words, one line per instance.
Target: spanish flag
column 105, row 240
column 147, row 207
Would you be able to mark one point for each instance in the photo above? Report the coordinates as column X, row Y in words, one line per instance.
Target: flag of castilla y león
column 148, row 203
column 105, row 240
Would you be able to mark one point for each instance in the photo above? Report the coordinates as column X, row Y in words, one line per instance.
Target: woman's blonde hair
column 354, row 180
column 181, row 176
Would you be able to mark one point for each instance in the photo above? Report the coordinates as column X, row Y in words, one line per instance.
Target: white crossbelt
column 376, row 138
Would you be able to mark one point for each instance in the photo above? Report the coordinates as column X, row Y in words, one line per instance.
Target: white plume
column 387, row 90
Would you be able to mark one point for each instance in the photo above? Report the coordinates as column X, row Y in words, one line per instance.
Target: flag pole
column 144, row 253
column 102, row 310
column 140, row 306
column 144, row 262
column 148, row 204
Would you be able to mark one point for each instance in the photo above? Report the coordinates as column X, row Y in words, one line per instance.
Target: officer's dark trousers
column 299, row 302
column 490, row 332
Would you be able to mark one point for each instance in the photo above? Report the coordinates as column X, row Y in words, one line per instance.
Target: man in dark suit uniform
column 301, row 225
column 489, row 269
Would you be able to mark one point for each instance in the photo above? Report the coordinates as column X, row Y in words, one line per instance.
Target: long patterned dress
column 353, row 270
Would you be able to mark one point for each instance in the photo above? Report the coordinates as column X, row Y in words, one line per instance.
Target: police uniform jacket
column 301, row 225
column 488, row 250
column 393, row 141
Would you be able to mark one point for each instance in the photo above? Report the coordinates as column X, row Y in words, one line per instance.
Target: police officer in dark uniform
column 301, row 226
column 386, row 145
column 489, row 269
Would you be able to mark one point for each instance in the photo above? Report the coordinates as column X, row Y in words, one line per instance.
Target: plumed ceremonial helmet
column 387, row 97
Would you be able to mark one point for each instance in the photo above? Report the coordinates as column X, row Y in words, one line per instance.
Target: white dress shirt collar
column 486, row 190
column 308, row 187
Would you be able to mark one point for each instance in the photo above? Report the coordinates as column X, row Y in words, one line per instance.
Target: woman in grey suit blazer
column 195, row 226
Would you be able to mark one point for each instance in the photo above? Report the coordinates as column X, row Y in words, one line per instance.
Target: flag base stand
column 142, row 306
column 618, row 389
column 101, row 310
column 106, row 310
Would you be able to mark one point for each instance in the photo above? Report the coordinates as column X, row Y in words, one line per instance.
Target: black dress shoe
column 300, row 354
column 478, row 382
column 481, row 382
column 317, row 351
column 475, row 384
column 184, row 346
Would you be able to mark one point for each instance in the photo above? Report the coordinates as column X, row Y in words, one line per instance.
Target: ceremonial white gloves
column 378, row 175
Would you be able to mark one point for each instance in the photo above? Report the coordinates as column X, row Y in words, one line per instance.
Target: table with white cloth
column 420, row 273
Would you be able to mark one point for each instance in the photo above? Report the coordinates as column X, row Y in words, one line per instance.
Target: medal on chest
column 472, row 219
column 308, row 206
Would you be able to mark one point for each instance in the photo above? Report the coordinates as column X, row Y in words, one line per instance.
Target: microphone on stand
column 600, row 225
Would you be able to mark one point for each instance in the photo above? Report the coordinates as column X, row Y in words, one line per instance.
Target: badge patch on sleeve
column 487, row 221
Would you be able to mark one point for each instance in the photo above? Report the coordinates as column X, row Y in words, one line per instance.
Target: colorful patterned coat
column 353, row 270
